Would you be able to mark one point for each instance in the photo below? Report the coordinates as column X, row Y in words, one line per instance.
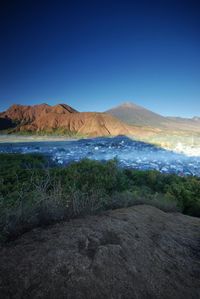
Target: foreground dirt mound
column 139, row 252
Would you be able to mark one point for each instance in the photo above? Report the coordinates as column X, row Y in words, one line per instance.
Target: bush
column 35, row 192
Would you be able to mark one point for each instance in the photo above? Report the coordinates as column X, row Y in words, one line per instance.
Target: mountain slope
column 126, row 119
column 50, row 118
column 137, row 115
column 139, row 252
column 26, row 114
column 191, row 124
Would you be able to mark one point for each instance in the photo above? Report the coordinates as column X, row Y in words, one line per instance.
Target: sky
column 94, row 55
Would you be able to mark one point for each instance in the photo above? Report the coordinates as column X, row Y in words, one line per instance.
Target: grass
column 35, row 192
column 49, row 132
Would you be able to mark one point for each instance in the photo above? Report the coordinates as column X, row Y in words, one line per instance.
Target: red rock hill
column 49, row 118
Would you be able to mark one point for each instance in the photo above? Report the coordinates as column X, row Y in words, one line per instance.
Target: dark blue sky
column 94, row 55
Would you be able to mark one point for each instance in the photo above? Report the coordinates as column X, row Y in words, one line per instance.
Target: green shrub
column 35, row 192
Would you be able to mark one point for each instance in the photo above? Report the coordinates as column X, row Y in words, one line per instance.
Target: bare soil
column 139, row 252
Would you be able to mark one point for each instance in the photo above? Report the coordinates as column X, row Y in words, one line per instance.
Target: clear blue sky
column 94, row 55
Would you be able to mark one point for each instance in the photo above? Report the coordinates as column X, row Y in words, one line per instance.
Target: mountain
column 185, row 124
column 136, row 115
column 6, row 123
column 126, row 119
column 139, row 252
column 196, row 118
column 133, row 114
column 27, row 114
column 48, row 118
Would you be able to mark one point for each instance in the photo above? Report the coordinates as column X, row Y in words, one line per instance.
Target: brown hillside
column 49, row 118
column 28, row 114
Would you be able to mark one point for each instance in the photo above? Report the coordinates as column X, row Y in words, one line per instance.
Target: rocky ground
column 139, row 252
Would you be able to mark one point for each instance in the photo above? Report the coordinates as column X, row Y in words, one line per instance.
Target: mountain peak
column 63, row 108
column 128, row 105
column 134, row 114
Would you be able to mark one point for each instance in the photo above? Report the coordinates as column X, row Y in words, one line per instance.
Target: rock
column 139, row 252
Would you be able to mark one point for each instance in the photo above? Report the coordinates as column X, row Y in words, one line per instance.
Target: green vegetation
column 47, row 132
column 35, row 192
